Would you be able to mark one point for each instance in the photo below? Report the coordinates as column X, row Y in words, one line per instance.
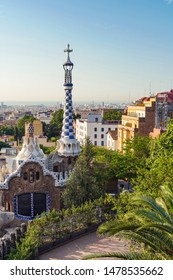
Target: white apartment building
column 95, row 128
column 112, row 140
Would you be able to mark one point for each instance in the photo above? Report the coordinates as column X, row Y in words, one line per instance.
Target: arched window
column 25, row 176
column 37, row 175
column 31, row 176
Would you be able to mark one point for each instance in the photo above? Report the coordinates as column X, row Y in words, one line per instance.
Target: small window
column 102, row 136
column 102, row 143
column 95, row 136
column 96, row 119
column 25, row 176
column 31, row 176
column 95, row 143
column 95, row 128
column 109, row 129
column 37, row 175
column 102, row 129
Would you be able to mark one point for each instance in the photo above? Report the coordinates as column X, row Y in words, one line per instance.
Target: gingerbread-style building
column 31, row 183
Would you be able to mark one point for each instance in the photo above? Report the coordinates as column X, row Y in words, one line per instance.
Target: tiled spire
column 69, row 146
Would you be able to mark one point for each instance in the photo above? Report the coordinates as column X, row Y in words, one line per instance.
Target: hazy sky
column 122, row 49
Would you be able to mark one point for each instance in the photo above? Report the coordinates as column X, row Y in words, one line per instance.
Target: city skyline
column 122, row 50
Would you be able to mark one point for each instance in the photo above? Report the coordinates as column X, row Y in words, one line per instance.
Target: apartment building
column 138, row 119
column 95, row 128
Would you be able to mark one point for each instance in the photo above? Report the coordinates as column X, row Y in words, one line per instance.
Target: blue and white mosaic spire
column 68, row 145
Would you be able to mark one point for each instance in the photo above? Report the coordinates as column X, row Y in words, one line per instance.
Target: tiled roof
column 113, row 134
column 168, row 93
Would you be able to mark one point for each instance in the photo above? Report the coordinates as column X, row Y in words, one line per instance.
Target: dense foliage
column 3, row 145
column 7, row 130
column 55, row 126
column 146, row 216
column 55, row 225
column 158, row 165
column 47, row 150
column 149, row 225
column 112, row 114
column 83, row 184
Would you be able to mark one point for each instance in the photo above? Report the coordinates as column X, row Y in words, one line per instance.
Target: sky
column 122, row 49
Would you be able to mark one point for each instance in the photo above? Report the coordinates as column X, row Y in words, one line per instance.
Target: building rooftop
column 113, row 134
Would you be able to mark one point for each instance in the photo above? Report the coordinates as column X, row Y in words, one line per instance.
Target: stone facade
column 31, row 181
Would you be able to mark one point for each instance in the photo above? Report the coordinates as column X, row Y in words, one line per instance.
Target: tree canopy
column 83, row 185
column 4, row 145
column 149, row 224
column 55, row 127
column 47, row 150
column 7, row 130
column 112, row 114
column 157, row 169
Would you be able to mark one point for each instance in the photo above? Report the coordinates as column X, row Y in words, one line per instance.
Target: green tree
column 55, row 126
column 8, row 130
column 139, row 146
column 83, row 185
column 117, row 165
column 112, row 114
column 4, row 145
column 157, row 169
column 45, row 128
column 76, row 116
column 16, row 133
column 149, row 225
column 47, row 150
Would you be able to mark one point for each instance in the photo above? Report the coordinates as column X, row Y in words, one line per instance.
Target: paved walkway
column 86, row 245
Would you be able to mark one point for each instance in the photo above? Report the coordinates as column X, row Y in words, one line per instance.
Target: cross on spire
column 68, row 49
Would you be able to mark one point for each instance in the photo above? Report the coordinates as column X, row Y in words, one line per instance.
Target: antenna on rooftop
column 150, row 88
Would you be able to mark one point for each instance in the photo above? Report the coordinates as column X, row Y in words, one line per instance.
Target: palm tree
column 149, row 226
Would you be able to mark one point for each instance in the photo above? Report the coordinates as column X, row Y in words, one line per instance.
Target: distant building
column 45, row 116
column 138, row 119
column 95, row 128
column 112, row 140
column 3, row 106
column 84, row 113
column 10, row 123
column 164, row 109
column 9, row 151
